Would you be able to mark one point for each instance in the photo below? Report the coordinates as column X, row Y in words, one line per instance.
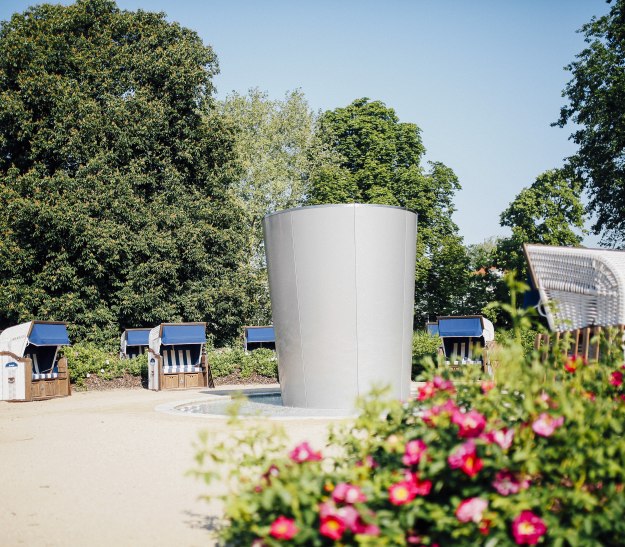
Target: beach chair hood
column 578, row 287
column 462, row 327
column 38, row 333
column 134, row 338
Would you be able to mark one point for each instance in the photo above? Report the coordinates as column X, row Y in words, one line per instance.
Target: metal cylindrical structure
column 341, row 279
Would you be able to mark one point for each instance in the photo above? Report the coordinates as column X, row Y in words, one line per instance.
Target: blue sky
column 482, row 78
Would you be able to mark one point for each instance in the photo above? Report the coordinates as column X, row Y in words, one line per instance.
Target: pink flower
column 502, row 437
column 304, row 453
column 401, row 493
column 546, row 424
column 426, row 391
column 528, row 528
column 465, row 458
column 506, row 483
column 487, row 385
column 364, row 529
column 413, row 452
column 421, row 487
column 443, row 385
column 332, row 526
column 471, row 510
column 446, row 409
column 573, row 363
column 470, row 424
column 348, row 493
column 367, row 462
column 616, row 378
column 283, row 528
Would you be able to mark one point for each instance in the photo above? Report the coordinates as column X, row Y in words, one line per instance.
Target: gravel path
column 104, row 468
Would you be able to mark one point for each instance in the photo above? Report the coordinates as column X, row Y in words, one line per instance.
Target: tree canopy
column 596, row 104
column 550, row 211
column 380, row 161
column 114, row 175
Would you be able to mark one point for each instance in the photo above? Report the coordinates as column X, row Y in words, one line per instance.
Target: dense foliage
column 536, row 457
column 86, row 359
column 550, row 211
column 596, row 107
column 380, row 162
column 114, row 209
column 234, row 360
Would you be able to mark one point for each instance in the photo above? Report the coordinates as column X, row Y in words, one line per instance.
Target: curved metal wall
column 341, row 279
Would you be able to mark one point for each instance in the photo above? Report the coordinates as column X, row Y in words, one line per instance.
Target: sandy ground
column 105, row 468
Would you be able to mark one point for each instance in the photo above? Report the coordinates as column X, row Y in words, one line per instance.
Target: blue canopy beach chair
column 30, row 366
column 177, row 357
column 134, row 342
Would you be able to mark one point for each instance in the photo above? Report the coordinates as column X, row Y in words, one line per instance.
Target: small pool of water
column 267, row 405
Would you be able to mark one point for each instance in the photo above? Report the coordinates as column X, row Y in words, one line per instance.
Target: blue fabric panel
column 261, row 334
column 183, row 334
column 531, row 298
column 432, row 329
column 460, row 326
column 137, row 337
column 44, row 334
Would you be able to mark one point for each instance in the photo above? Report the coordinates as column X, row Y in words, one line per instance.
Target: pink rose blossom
column 443, row 385
column 283, row 528
column 348, row 493
column 413, row 452
column 616, row 378
column 304, row 453
column 471, row 510
column 545, row 424
column 332, row 526
column 502, row 437
column 528, row 528
column 426, row 391
column 465, row 458
column 470, row 424
column 506, row 483
column 487, row 385
column 401, row 493
column 421, row 487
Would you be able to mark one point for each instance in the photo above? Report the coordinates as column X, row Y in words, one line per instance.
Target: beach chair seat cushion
column 45, row 375
column 175, row 370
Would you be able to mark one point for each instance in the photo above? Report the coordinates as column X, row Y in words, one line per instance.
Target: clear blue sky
column 482, row 78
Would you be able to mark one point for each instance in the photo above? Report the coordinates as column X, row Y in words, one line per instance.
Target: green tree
column 277, row 149
column 380, row 161
column 550, row 211
column 114, row 174
column 485, row 284
column 596, row 105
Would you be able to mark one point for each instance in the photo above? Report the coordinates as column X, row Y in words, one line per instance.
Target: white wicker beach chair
column 578, row 287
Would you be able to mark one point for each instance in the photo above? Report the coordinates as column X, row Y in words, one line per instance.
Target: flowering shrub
column 536, row 456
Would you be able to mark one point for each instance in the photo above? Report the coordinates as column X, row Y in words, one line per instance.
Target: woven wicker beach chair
column 578, row 287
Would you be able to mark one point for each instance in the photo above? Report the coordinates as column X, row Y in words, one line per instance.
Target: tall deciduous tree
column 277, row 150
column 596, row 103
column 550, row 211
column 380, row 161
column 114, row 204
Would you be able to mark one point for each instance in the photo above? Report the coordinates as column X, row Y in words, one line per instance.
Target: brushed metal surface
column 341, row 279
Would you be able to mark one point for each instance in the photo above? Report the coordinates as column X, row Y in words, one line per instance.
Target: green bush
column 226, row 361
column 538, row 456
column 528, row 338
column 260, row 361
column 86, row 358
column 424, row 346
